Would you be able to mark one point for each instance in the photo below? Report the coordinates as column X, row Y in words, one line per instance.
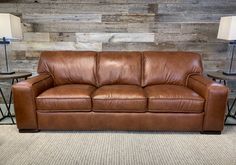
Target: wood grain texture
column 41, row 46
column 114, row 37
column 131, row 18
column 62, row 37
column 81, row 27
column 65, row 18
column 36, row 37
column 108, row 1
column 163, row 25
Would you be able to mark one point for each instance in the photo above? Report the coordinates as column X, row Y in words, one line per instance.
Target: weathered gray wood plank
column 218, row 8
column 216, row 47
column 160, row 37
column 138, row 27
column 27, row 27
column 158, row 27
column 189, row 17
column 8, row 8
column 25, row 65
column 114, row 37
column 81, row 27
column 32, row 54
column 36, row 37
column 41, row 46
column 139, row 46
column 68, row 8
column 65, row 18
column 109, row 1
column 129, row 18
column 213, row 65
column 62, row 37
column 209, row 30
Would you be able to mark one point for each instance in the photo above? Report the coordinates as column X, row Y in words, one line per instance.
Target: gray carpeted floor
column 111, row 148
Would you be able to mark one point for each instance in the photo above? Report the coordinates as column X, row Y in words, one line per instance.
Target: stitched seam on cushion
column 42, row 80
column 58, row 111
column 35, row 105
column 62, row 98
column 190, row 76
column 199, row 81
column 205, row 110
column 26, row 85
column 120, row 99
column 186, row 78
column 168, row 111
column 96, row 71
column 141, row 69
column 119, row 110
column 174, row 99
column 195, row 73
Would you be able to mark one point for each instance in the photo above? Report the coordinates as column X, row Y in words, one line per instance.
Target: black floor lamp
column 10, row 29
column 227, row 31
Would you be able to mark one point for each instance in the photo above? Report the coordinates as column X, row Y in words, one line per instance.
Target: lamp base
column 7, row 73
column 229, row 74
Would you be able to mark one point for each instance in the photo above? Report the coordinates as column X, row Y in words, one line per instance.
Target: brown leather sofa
column 138, row 91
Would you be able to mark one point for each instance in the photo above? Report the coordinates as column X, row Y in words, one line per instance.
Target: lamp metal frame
column 5, row 42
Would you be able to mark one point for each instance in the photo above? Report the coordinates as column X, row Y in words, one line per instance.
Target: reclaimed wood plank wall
column 164, row 25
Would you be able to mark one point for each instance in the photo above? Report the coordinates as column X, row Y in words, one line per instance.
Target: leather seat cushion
column 173, row 98
column 73, row 97
column 119, row 98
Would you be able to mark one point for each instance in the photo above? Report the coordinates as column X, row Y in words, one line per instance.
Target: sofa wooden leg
column 29, row 130
column 211, row 132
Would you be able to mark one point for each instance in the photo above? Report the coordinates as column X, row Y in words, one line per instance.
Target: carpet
column 115, row 148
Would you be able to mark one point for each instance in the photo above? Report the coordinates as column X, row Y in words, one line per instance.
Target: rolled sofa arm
column 216, row 100
column 24, row 94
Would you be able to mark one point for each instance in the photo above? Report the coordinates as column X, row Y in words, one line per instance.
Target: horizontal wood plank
column 206, row 8
column 43, row 46
column 114, row 37
column 36, row 37
column 110, row 1
column 81, row 27
column 62, row 37
column 129, row 18
column 69, row 8
column 65, row 18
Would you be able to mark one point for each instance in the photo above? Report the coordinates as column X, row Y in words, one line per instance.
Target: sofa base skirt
column 91, row 121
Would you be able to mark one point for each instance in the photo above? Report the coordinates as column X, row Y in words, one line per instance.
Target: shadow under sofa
column 121, row 91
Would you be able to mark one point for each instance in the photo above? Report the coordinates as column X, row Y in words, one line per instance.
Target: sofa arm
column 216, row 100
column 24, row 94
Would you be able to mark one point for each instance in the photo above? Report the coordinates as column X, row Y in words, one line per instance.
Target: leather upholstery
column 120, row 91
column 69, row 67
column 119, row 98
column 169, row 67
column 120, row 121
column 74, row 97
column 173, row 98
column 119, row 68
column 24, row 94
column 216, row 99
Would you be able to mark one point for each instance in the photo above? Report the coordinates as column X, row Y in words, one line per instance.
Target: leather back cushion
column 169, row 67
column 69, row 67
column 119, row 68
